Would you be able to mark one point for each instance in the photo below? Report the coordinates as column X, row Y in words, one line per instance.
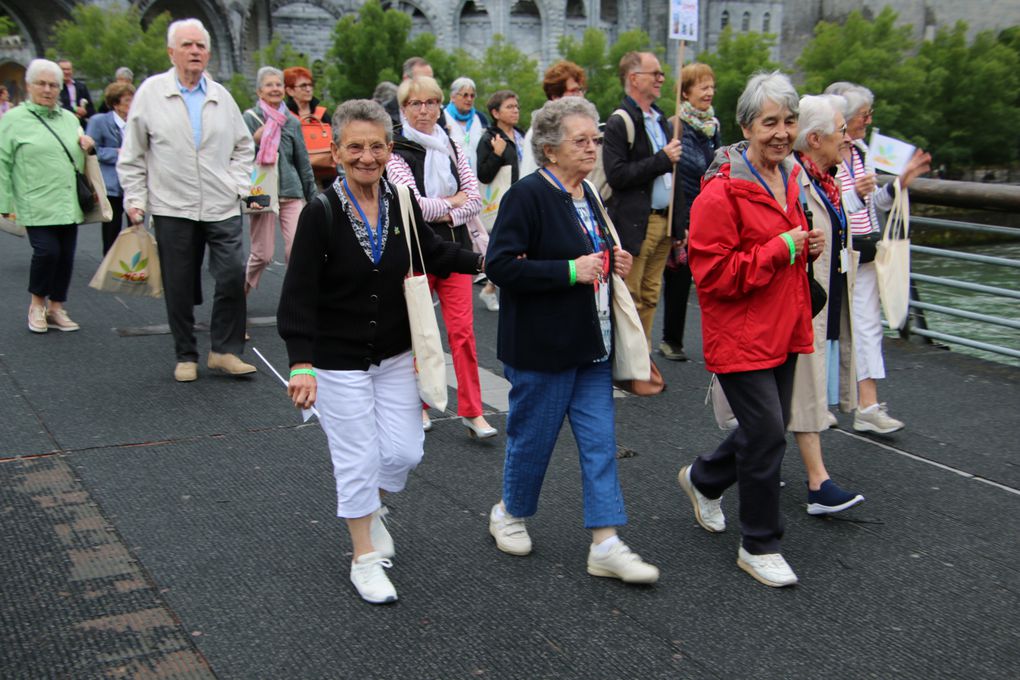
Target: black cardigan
column 489, row 163
column 545, row 324
column 631, row 172
column 339, row 310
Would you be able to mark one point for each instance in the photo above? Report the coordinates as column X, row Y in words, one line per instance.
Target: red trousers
column 457, row 303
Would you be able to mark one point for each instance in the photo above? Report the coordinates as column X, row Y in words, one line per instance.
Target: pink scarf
column 270, row 144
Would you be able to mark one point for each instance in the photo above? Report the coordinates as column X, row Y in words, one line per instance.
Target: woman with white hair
column 748, row 249
column 279, row 142
column 435, row 168
column 41, row 148
column 818, row 149
column 864, row 202
column 465, row 123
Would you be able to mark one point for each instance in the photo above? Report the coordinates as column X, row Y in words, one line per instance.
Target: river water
column 984, row 303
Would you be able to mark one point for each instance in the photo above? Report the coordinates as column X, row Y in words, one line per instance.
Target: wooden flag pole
column 677, row 130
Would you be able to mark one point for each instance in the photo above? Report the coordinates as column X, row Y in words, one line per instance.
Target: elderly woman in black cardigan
column 551, row 254
column 343, row 317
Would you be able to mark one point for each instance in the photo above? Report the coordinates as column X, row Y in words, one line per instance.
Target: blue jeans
column 538, row 403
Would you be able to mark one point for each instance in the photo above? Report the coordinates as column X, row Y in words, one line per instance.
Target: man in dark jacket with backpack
column 638, row 158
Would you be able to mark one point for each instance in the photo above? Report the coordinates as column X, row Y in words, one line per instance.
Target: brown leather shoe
column 186, row 371
column 229, row 363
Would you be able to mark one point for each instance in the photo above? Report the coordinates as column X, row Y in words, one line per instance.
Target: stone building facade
column 241, row 27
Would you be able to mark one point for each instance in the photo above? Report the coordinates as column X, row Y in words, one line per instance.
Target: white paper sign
column 889, row 154
column 683, row 20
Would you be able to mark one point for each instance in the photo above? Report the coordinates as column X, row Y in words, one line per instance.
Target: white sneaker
column 510, row 533
column 37, row 319
column 830, row 419
column 708, row 512
column 770, row 569
column 622, row 563
column 876, row 419
column 372, row 583
column 381, row 539
column 491, row 300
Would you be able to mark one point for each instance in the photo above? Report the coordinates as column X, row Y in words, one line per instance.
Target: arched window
column 745, row 22
column 766, row 23
column 725, row 20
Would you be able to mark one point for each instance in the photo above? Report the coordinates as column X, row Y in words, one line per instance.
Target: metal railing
column 973, row 196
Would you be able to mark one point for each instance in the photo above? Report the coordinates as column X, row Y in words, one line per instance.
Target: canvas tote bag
column 131, row 266
column 426, row 343
column 102, row 211
column 631, row 361
column 892, row 260
column 492, row 193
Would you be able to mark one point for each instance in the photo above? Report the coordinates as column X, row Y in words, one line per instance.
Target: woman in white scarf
column 437, row 171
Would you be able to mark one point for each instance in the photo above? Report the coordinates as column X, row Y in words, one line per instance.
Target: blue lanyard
column 760, row 179
column 376, row 243
column 837, row 212
column 592, row 233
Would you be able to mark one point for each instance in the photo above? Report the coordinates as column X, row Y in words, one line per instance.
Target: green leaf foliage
column 241, row 90
column 7, row 26
column 738, row 56
column 100, row 40
column 366, row 50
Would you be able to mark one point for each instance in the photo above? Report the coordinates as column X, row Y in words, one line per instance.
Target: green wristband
column 573, row 272
column 793, row 248
column 303, row 371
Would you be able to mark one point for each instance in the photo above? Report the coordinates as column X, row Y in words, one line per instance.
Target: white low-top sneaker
column 510, row 533
column 707, row 511
column 770, row 569
column 491, row 300
column 372, row 583
column 622, row 563
column 381, row 539
column 876, row 419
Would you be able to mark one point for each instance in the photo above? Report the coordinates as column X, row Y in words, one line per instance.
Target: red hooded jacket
column 755, row 305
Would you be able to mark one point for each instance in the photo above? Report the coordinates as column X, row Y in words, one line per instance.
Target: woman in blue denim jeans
column 551, row 254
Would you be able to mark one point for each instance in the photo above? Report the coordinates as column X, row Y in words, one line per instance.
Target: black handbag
column 818, row 295
column 86, row 194
column 867, row 246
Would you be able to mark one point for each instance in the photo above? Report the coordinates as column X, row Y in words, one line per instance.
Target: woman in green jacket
column 38, row 189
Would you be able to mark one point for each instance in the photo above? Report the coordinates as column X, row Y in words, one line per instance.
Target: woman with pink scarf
column 278, row 141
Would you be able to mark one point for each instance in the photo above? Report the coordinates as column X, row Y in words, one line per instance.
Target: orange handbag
column 318, row 136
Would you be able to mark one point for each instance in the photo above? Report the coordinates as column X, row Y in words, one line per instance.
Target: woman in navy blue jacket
column 700, row 140
column 551, row 254
column 108, row 131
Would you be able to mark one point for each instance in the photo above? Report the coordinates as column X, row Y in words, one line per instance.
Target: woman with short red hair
column 316, row 124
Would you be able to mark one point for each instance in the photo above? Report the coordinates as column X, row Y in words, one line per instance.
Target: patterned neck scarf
column 704, row 122
column 824, row 180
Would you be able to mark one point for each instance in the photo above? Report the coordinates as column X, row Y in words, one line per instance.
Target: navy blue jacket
column 545, row 324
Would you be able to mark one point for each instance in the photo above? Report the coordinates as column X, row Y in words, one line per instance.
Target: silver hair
column 37, row 67
column 547, row 123
column 817, row 115
column 385, row 92
column 124, row 72
column 264, row 73
column 365, row 110
column 857, row 97
column 762, row 87
column 171, row 32
column 460, row 84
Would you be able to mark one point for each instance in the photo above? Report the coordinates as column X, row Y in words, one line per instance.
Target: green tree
column 241, row 90
column 100, row 40
column 973, row 89
column 7, row 26
column 504, row 67
column 366, row 50
column 875, row 54
column 736, row 58
column 281, row 55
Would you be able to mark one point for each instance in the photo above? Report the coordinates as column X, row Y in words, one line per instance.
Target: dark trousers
column 753, row 453
column 52, row 260
column 112, row 228
column 676, row 288
column 180, row 253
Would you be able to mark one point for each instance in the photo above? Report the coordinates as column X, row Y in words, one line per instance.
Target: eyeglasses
column 867, row 114
column 417, row 104
column 842, row 130
column 465, row 95
column 580, row 143
column 378, row 150
column 658, row 75
column 47, row 85
column 574, row 92
column 303, row 86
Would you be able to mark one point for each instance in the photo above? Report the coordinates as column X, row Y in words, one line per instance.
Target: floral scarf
column 704, row 122
column 824, row 180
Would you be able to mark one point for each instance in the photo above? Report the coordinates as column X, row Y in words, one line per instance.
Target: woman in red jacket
column 748, row 251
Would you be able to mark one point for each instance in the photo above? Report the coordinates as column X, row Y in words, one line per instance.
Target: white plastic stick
column 306, row 413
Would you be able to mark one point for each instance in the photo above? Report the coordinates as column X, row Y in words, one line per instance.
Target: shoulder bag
column 317, row 136
column 90, row 187
column 265, row 181
column 492, row 193
column 892, row 260
column 818, row 295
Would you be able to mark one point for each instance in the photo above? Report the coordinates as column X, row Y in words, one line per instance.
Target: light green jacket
column 37, row 181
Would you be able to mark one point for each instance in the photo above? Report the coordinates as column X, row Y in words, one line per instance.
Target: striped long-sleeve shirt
column 433, row 209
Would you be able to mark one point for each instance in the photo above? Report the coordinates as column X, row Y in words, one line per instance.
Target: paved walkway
column 151, row 529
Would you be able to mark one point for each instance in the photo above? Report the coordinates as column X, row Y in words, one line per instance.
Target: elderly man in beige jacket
column 187, row 159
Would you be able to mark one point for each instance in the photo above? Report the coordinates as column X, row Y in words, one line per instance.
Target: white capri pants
column 372, row 420
column 868, row 324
